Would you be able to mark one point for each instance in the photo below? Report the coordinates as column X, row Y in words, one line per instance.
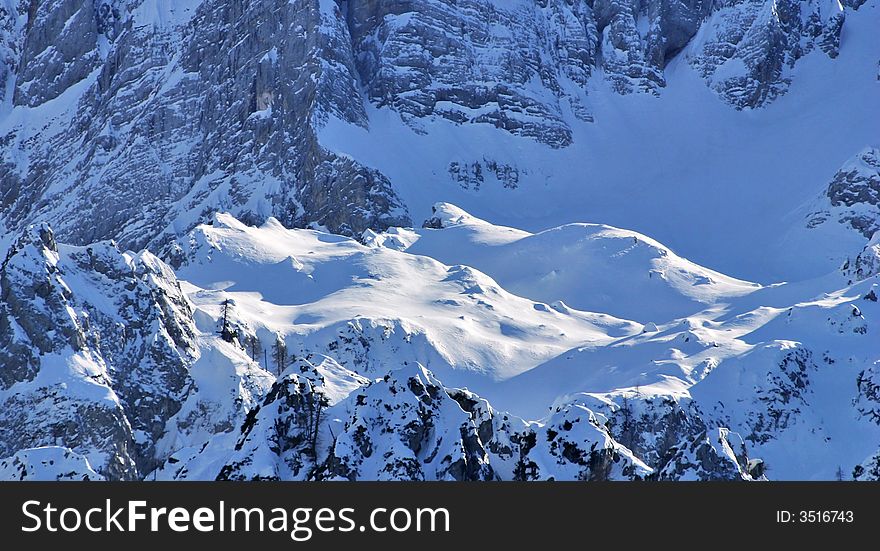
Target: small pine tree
column 839, row 474
column 279, row 355
column 318, row 403
column 628, row 425
column 312, row 405
column 226, row 332
column 254, row 346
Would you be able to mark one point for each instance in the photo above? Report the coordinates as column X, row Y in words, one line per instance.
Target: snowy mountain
column 397, row 366
column 145, row 116
column 437, row 240
column 100, row 354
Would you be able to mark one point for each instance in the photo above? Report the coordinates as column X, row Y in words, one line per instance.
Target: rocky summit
column 341, row 240
column 163, row 112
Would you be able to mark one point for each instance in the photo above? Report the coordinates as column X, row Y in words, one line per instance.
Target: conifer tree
column 254, row 347
column 279, row 355
column 226, row 332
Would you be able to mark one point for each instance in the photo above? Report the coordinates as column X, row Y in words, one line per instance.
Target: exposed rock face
column 283, row 437
column 774, row 395
column 147, row 341
column 715, row 455
column 866, row 263
column 60, row 47
column 673, row 437
column 854, row 192
column 637, row 39
column 575, row 444
column 166, row 112
column 175, row 122
column 747, row 47
column 95, row 351
column 852, row 199
column 286, row 425
column 868, row 400
column 12, row 20
column 45, row 342
column 407, row 427
column 475, row 61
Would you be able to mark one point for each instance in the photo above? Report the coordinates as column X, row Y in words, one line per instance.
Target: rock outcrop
column 853, row 196
column 96, row 352
column 167, row 112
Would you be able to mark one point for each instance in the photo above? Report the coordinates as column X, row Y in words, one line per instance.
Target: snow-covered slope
column 331, row 294
column 426, row 239
column 395, row 365
column 587, row 266
column 47, row 463
column 669, row 118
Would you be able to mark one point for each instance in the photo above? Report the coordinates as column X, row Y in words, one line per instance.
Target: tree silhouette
column 226, row 332
column 279, row 355
column 254, row 347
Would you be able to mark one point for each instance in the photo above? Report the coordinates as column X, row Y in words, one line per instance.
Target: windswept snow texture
column 276, row 353
column 705, row 125
column 439, row 240
column 688, row 354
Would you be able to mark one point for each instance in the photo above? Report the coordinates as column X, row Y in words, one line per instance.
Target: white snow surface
column 664, row 253
column 522, row 320
column 728, row 189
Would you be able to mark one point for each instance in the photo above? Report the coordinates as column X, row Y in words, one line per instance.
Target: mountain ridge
column 148, row 139
column 719, row 393
column 436, row 240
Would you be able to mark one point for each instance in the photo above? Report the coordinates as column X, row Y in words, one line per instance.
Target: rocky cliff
column 162, row 112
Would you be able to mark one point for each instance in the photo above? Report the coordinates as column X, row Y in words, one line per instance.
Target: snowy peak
column 407, row 427
column 361, row 303
column 590, row 267
column 142, row 91
column 279, row 438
